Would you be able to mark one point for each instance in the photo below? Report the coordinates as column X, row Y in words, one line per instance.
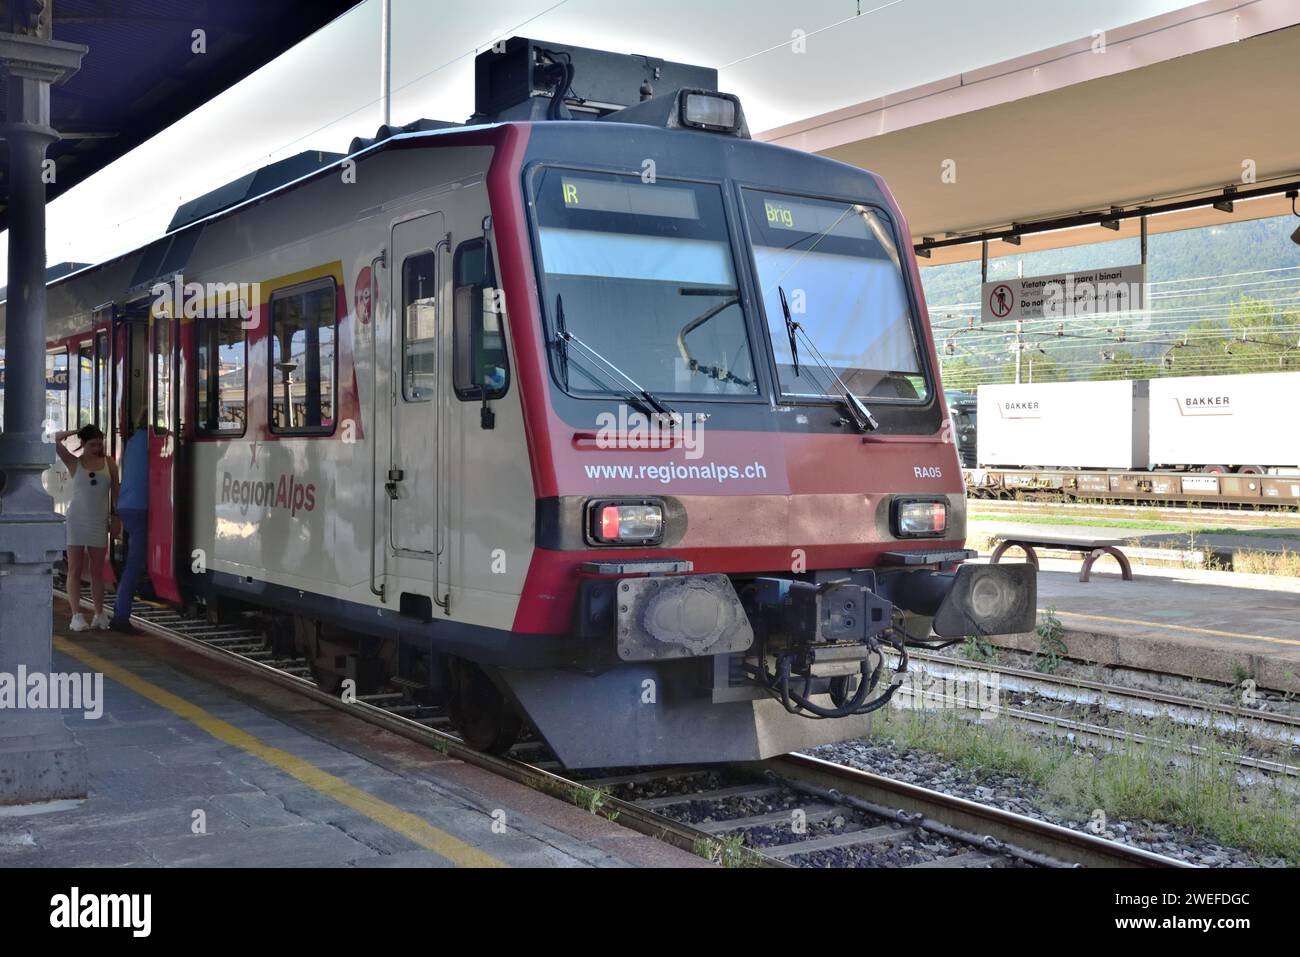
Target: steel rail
column 1276, row 727
column 1017, row 830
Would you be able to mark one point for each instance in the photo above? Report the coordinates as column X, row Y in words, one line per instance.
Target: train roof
column 520, row 79
column 250, row 190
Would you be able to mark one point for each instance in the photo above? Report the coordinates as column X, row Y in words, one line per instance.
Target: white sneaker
column 101, row 622
column 79, row 623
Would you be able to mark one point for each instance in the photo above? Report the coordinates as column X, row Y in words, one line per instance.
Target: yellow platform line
column 1158, row 624
column 409, row 825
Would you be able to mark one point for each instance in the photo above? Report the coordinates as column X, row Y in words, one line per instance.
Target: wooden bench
column 1090, row 549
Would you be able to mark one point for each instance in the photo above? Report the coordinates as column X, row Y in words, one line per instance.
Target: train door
column 130, row 370
column 416, row 274
column 102, row 363
column 164, row 448
column 129, row 377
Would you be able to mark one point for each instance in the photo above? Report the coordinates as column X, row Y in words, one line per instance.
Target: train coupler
column 822, row 639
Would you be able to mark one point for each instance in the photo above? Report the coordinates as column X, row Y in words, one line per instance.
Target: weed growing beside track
column 1158, row 780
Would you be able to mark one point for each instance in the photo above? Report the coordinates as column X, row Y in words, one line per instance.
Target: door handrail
column 382, row 590
column 440, row 399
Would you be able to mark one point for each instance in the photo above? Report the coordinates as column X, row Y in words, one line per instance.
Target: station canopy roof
column 141, row 73
column 1164, row 110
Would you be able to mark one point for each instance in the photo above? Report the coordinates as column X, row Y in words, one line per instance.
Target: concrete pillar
column 39, row 759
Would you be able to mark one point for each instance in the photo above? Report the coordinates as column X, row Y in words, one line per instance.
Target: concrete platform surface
column 1211, row 625
column 194, row 763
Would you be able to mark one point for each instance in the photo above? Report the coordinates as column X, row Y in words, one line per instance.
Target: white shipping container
column 1228, row 420
column 1087, row 425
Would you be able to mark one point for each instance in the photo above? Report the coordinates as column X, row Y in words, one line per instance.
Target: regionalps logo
column 288, row 493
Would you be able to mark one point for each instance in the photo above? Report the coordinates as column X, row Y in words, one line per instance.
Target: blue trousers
column 136, row 524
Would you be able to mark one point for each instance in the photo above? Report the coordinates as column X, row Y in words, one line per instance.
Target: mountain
column 1221, row 299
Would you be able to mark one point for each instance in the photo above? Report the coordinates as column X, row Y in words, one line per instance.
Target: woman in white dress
column 94, row 488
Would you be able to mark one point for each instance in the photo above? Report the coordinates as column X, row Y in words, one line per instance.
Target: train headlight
column 625, row 523
column 716, row 112
column 924, row 518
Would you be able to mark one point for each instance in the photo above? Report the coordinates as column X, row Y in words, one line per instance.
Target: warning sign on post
column 1094, row 292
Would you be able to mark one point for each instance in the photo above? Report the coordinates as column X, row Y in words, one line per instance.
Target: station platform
column 194, row 763
column 1197, row 623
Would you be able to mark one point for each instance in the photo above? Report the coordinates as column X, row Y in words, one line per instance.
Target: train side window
column 162, row 374
column 304, row 323
column 85, row 384
column 56, row 391
column 480, row 367
column 222, row 376
column 420, row 326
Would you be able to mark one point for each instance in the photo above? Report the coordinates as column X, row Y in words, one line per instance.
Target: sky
column 325, row 90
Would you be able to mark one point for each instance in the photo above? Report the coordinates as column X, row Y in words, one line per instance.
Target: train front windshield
column 839, row 268
column 643, row 275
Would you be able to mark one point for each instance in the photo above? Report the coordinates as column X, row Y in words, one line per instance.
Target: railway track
column 804, row 811
column 1280, row 731
column 816, row 813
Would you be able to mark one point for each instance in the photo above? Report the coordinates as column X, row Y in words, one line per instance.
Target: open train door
column 164, row 452
column 129, row 335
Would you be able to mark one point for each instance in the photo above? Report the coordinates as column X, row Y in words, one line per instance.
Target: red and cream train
column 592, row 413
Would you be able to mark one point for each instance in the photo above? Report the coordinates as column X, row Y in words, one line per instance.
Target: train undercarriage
column 675, row 667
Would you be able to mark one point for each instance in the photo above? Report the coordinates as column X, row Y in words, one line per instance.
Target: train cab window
column 478, row 333
column 644, row 276
column 304, row 322
column 162, row 374
column 222, row 376
column 420, row 326
column 56, row 391
column 840, row 264
column 85, row 384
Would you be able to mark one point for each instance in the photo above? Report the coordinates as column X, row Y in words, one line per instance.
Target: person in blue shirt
column 133, row 510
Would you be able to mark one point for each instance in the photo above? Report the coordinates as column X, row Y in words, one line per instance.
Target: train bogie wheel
column 1250, row 470
column 485, row 719
column 302, row 636
column 1215, row 469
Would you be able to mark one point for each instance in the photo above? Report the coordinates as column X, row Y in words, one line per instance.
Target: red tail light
column 631, row 523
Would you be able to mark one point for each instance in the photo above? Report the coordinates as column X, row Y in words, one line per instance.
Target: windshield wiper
column 790, row 328
column 858, row 412
column 636, row 394
column 561, row 344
